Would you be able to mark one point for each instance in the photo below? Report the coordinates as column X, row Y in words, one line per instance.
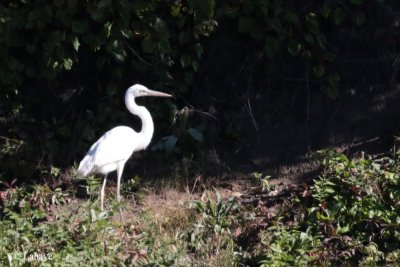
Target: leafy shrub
column 350, row 213
column 76, row 234
column 355, row 206
column 289, row 246
column 215, row 230
column 79, row 57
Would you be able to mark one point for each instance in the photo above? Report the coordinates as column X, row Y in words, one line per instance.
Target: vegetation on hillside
column 66, row 65
column 350, row 213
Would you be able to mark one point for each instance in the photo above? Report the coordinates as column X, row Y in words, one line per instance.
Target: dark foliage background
column 268, row 78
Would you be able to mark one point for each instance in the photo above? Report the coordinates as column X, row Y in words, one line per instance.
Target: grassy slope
column 350, row 213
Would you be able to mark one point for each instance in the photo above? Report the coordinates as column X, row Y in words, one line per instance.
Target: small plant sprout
column 263, row 181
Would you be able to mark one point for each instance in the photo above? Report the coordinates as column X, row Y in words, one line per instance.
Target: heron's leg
column 103, row 192
column 120, row 169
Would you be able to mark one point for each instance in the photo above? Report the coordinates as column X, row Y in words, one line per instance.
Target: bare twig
column 204, row 113
column 194, row 185
column 192, row 110
column 137, row 55
column 250, row 111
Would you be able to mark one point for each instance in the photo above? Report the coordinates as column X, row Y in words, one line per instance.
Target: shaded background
column 257, row 85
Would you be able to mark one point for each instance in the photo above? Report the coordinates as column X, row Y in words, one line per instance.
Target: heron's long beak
column 156, row 93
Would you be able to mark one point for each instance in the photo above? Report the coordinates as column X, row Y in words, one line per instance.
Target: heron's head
column 141, row 90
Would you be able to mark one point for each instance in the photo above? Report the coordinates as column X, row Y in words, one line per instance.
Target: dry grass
column 157, row 219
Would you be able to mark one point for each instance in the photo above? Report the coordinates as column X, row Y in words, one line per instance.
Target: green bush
column 355, row 206
column 350, row 213
column 66, row 65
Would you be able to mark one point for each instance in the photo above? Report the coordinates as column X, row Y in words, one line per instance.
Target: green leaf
column 309, row 38
column 219, row 197
column 304, row 236
column 93, row 216
column 294, row 47
column 344, row 229
column 329, row 183
column 170, row 142
column 199, row 49
column 127, row 33
column 75, row 43
column 196, row 134
column 195, row 65
column 164, row 46
column 119, row 56
column 293, row 19
column 67, row 63
column 334, row 80
column 108, row 26
column 329, row 190
column 197, row 205
column 185, row 60
column 312, row 22
column 80, row 26
column 319, row 71
column 97, row 15
column 338, row 16
column 175, row 10
column 326, row 12
column 277, row 26
column 183, row 37
column 389, row 175
column 322, row 41
column 160, row 26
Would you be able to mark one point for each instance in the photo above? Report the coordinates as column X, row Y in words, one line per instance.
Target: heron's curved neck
column 146, row 133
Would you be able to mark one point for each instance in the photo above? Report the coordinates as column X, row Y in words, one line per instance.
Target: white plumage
column 114, row 148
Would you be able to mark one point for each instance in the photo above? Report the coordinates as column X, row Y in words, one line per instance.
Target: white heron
column 114, row 148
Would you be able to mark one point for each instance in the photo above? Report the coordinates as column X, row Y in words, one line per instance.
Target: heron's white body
column 115, row 147
column 112, row 149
